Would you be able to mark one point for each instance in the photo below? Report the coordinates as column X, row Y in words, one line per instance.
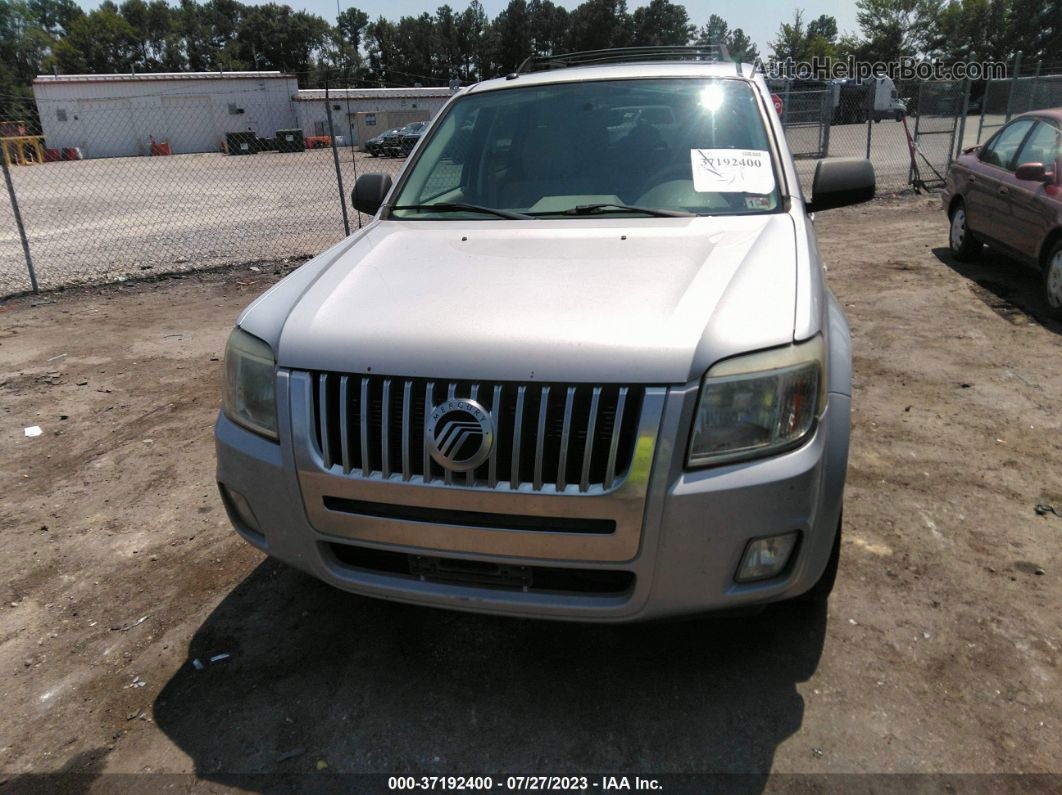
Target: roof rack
column 698, row 52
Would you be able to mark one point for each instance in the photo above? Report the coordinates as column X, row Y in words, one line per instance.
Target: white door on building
column 190, row 124
column 106, row 128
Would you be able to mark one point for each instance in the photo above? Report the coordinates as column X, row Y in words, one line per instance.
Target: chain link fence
column 116, row 189
column 119, row 189
column 891, row 125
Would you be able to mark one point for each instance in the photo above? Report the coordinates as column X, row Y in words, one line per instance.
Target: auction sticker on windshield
column 732, row 171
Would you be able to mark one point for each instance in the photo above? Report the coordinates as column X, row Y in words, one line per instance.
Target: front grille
column 556, row 436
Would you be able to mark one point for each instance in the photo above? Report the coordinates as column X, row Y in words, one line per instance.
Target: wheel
column 899, row 116
column 820, row 591
column 964, row 246
column 1053, row 281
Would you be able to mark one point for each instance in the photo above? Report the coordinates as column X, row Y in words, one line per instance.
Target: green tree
column 345, row 39
column 598, row 25
column 99, row 42
column 824, row 27
column 473, row 39
column 661, row 23
column 273, row 36
column 741, row 47
column 54, row 17
column 549, row 26
column 896, row 28
column 971, row 29
column 715, row 31
column 792, row 41
column 511, row 36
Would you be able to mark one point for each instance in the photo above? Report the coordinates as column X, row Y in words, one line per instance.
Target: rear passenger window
column 1001, row 150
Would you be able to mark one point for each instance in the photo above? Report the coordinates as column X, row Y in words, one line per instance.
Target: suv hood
column 587, row 300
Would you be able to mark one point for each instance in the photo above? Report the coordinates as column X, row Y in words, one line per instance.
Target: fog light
column 239, row 509
column 765, row 557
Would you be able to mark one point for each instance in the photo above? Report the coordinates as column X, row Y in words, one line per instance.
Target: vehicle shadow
column 317, row 676
column 1011, row 289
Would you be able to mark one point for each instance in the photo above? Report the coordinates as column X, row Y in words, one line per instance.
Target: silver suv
column 559, row 375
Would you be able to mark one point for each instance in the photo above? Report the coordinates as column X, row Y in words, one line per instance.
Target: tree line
column 42, row 36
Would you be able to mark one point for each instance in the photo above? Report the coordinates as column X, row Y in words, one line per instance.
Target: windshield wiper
column 457, row 207
column 591, row 209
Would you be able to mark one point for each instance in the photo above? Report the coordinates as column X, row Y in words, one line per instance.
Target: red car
column 1008, row 193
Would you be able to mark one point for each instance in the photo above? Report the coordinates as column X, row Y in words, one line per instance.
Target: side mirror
column 369, row 192
column 841, row 182
column 1033, row 172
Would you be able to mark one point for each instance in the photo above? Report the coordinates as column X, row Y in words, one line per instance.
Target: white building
column 119, row 115
column 116, row 115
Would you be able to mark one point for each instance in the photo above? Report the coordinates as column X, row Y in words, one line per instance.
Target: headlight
column 760, row 404
column 250, row 384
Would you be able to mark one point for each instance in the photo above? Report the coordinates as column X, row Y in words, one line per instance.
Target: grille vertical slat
column 429, row 392
column 322, row 415
column 470, row 477
column 613, row 450
column 385, row 429
column 562, row 463
column 407, row 410
column 588, row 450
column 363, row 405
column 540, row 435
column 547, row 437
column 495, row 412
column 518, row 429
column 448, row 476
column 344, row 430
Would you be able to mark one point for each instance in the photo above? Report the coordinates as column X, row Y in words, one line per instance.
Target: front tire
column 1052, row 281
column 963, row 245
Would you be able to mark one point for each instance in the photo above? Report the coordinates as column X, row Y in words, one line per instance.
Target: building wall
column 120, row 115
column 113, row 118
column 312, row 113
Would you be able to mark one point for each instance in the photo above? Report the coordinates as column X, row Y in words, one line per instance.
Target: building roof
column 316, row 94
column 156, row 76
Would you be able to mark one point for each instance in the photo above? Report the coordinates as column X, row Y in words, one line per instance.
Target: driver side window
column 1002, row 149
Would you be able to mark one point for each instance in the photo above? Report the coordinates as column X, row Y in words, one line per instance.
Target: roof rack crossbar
column 699, row 52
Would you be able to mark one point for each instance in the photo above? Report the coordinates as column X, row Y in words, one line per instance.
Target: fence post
column 870, row 118
column 335, row 159
column 984, row 108
column 1013, row 84
column 1033, row 105
column 917, row 128
column 964, row 109
column 18, row 221
column 826, row 120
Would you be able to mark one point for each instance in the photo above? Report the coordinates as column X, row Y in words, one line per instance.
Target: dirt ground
column 938, row 654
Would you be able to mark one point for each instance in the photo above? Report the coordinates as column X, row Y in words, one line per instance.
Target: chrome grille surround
column 567, row 437
column 625, row 465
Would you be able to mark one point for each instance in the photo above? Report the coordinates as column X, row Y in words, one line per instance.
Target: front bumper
column 694, row 527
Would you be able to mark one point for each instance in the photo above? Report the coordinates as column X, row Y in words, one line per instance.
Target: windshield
column 623, row 146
